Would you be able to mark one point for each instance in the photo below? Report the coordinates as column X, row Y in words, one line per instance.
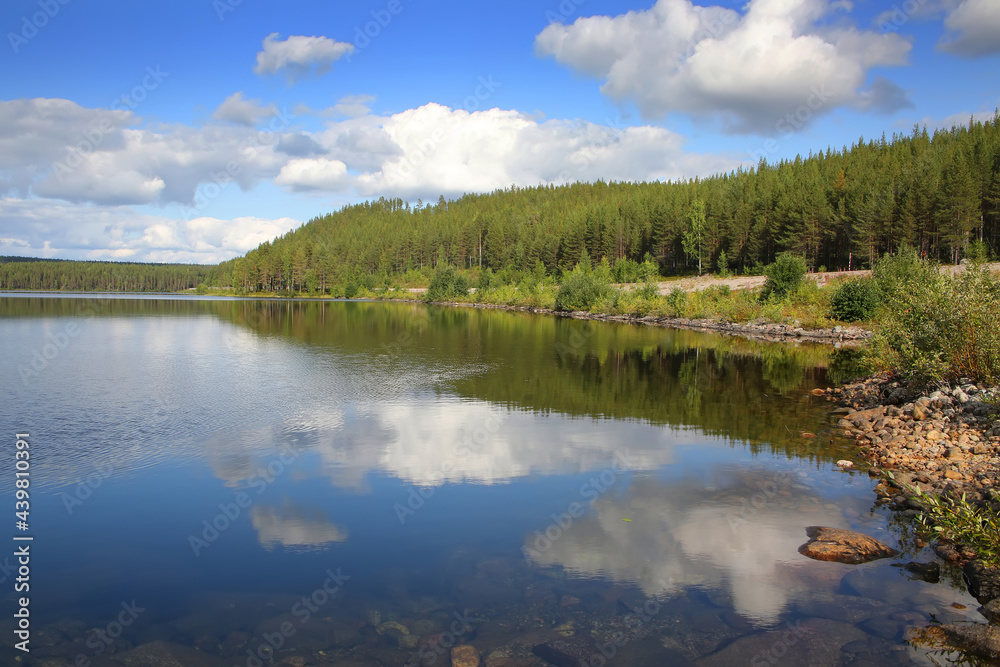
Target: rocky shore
column 758, row 330
column 946, row 441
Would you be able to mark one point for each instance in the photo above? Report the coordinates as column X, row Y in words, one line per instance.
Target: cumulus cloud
column 750, row 70
column 442, row 150
column 57, row 155
column 237, row 109
column 299, row 54
column 51, row 228
column 313, row 174
column 973, row 29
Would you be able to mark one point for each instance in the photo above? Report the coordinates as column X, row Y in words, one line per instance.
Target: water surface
column 502, row 478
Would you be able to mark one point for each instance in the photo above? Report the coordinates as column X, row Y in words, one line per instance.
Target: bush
column 783, row 275
column 676, row 301
column 580, row 290
column 447, row 283
column 941, row 328
column 854, row 301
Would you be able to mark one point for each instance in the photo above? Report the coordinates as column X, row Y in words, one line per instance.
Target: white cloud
column 750, row 70
column 50, row 228
column 973, row 29
column 236, row 109
column 446, row 151
column 298, row 54
column 313, row 174
column 64, row 160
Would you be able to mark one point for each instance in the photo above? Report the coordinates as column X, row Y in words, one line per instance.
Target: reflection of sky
column 293, row 526
column 189, row 411
column 666, row 537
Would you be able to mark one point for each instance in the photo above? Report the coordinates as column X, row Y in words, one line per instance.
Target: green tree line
column 18, row 273
column 836, row 209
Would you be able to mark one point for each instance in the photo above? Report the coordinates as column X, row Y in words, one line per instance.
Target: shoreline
column 942, row 440
column 766, row 331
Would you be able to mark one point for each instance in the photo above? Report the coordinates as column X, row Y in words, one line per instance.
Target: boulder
column 983, row 582
column 843, row 546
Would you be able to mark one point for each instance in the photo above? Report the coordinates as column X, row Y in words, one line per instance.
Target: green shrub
column 580, row 290
column 350, row 289
column 941, row 328
column 676, row 301
column 783, row 275
column 447, row 283
column 854, row 301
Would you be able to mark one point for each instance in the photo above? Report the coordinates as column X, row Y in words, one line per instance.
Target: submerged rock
column 975, row 638
column 166, row 654
column 843, row 546
column 813, row 643
column 464, row 656
column 575, row 651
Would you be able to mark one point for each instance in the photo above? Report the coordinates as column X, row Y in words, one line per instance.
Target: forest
column 838, row 209
column 23, row 273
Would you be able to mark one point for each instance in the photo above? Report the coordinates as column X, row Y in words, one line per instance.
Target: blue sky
column 195, row 130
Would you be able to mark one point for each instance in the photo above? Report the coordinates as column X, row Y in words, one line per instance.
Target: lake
column 249, row 482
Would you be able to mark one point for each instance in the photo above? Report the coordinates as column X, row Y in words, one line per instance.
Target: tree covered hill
column 937, row 193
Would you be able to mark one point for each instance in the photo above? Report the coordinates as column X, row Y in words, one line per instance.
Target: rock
column 568, row 601
column 843, row 546
column 575, row 651
column 983, row 582
column 464, row 656
column 813, row 643
column 991, row 610
column 952, row 474
column 844, row 463
column 976, row 638
column 929, row 572
column 166, row 654
column 918, row 413
column 817, row 392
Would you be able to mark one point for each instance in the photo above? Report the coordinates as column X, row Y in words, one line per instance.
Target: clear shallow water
column 216, row 460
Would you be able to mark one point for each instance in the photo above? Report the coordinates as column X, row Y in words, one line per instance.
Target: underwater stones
column 166, row 654
column 816, row 641
column 573, row 651
column 464, row 656
column 843, row 546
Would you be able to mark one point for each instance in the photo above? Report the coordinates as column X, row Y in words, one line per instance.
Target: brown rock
column 952, row 474
column 464, row 656
column 843, row 546
column 918, row 413
column 568, row 601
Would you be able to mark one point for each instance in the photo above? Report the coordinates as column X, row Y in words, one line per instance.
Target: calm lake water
column 241, row 482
